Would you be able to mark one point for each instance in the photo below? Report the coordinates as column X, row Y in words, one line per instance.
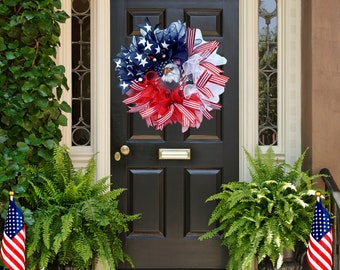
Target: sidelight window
column 81, row 73
column 268, row 75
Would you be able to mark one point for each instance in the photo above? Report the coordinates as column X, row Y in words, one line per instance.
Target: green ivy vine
column 31, row 85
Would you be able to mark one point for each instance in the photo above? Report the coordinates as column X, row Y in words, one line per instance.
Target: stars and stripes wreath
column 171, row 75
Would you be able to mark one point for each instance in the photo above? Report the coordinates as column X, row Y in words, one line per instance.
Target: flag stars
column 118, row 63
column 14, row 222
column 148, row 45
column 158, row 49
column 147, row 27
column 321, row 223
column 143, row 62
column 138, row 57
column 13, row 240
column 142, row 41
column 165, row 45
column 319, row 252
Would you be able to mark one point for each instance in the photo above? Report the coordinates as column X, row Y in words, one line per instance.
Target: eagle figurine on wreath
column 171, row 75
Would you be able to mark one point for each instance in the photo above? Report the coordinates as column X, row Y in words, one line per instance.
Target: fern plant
column 260, row 219
column 77, row 220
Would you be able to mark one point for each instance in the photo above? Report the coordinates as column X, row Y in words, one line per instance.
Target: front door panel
column 170, row 193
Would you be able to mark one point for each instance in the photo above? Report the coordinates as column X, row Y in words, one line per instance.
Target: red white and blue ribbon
column 185, row 95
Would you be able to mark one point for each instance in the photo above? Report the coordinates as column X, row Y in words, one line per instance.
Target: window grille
column 268, row 80
column 81, row 73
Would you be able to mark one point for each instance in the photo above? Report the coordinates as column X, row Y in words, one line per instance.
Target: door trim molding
column 248, row 74
column 289, row 81
column 100, row 86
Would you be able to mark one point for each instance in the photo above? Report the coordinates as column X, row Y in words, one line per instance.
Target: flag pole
column 11, row 194
column 318, row 195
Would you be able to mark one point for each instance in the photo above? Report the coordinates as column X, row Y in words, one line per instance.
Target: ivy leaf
column 34, row 140
column 58, row 70
column 3, row 136
column 44, row 153
column 22, row 147
column 13, row 45
column 42, row 102
column 65, row 107
column 28, row 52
column 10, row 55
column 2, row 44
column 3, row 8
column 29, row 14
column 27, row 98
column 28, row 126
column 48, row 143
column 11, row 3
column 44, row 91
column 15, row 70
column 28, row 85
column 62, row 120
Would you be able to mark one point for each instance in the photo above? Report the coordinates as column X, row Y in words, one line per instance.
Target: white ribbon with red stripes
column 203, row 84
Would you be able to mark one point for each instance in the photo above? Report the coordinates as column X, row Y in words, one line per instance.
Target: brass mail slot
column 174, row 153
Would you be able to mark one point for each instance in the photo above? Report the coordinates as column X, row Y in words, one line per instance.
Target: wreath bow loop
column 171, row 75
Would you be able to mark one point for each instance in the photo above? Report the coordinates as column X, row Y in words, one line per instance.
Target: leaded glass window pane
column 81, row 73
column 268, row 91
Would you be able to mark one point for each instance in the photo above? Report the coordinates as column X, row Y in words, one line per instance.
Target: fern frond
column 46, row 228
column 50, row 188
column 262, row 218
column 101, row 186
column 37, row 194
column 82, row 247
column 77, row 220
column 62, row 163
column 67, row 224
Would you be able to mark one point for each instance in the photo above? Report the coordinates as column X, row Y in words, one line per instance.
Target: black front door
column 171, row 194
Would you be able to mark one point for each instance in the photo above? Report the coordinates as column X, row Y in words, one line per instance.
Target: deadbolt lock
column 117, row 156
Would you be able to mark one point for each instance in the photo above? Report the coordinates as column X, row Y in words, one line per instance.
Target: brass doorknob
column 125, row 150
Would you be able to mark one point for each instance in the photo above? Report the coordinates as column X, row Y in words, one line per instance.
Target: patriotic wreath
column 171, row 75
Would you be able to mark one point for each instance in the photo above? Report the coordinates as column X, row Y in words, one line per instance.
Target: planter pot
column 266, row 264
column 56, row 266
column 289, row 263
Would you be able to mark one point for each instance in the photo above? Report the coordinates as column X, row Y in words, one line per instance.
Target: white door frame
column 289, row 81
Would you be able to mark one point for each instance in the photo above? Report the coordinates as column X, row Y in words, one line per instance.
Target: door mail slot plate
column 174, row 153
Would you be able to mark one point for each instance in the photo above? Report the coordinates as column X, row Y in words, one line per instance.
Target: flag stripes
column 319, row 251
column 319, row 254
column 13, row 250
column 14, row 238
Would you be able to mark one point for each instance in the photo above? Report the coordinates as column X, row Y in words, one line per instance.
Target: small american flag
column 319, row 252
column 14, row 238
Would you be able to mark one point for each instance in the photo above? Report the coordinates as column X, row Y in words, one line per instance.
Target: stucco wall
column 321, row 85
